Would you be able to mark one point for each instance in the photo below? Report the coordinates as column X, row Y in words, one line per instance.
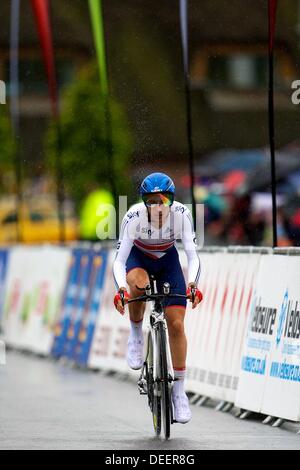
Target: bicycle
column 157, row 373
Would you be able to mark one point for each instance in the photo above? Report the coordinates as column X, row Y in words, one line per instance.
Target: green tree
column 84, row 146
column 8, row 148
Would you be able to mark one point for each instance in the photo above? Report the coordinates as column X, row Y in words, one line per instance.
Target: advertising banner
column 68, row 304
column 261, row 331
column 233, row 352
column 4, row 256
column 92, row 308
column 109, row 345
column 205, row 340
column 215, row 331
column 18, row 290
column 196, row 323
column 48, row 283
column 221, row 296
column 33, row 291
column 282, row 390
column 79, row 304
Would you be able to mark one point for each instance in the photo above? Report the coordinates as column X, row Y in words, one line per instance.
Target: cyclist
column 146, row 246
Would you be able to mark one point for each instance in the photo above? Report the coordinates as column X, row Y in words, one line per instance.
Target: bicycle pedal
column 142, row 386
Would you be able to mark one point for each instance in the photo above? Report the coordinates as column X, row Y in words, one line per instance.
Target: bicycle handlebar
column 146, row 297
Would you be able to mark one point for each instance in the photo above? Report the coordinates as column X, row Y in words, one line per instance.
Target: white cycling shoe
column 135, row 352
column 181, row 407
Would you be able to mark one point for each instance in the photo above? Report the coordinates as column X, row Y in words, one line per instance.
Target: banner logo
column 282, row 316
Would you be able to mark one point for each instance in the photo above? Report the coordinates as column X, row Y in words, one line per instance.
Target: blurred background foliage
column 8, row 150
column 229, row 85
column 84, row 143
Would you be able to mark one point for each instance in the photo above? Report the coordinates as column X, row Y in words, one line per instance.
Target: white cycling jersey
column 136, row 229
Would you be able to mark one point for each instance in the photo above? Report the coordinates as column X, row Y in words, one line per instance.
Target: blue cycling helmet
column 157, row 183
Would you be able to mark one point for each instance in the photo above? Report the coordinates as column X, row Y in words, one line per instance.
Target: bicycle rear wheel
column 165, row 385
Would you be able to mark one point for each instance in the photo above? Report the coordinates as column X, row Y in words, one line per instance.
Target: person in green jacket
column 97, row 220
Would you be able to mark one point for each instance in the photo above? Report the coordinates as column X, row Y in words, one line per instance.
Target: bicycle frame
column 157, row 316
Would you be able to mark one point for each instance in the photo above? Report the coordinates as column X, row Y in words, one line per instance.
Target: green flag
column 98, row 31
column 97, row 24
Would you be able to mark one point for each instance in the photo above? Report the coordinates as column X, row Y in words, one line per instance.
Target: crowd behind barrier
column 243, row 340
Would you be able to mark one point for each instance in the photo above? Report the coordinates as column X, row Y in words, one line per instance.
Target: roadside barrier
column 81, row 304
column 243, row 339
column 269, row 379
column 34, row 284
column 4, row 254
column 216, row 329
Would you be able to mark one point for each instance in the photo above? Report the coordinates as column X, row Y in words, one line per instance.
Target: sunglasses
column 165, row 199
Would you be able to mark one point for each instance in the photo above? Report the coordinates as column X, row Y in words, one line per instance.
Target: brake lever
column 122, row 298
column 193, row 292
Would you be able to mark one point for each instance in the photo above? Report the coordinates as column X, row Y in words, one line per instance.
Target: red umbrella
column 233, row 180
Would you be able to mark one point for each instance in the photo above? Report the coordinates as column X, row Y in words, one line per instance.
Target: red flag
column 41, row 12
column 272, row 23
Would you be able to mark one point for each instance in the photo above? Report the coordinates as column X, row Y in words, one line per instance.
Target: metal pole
column 184, row 40
column 14, row 109
column 272, row 4
column 60, row 193
column 190, row 146
column 272, row 145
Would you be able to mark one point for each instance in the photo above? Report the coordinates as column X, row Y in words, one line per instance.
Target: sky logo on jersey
column 180, row 209
column 130, row 215
column 282, row 316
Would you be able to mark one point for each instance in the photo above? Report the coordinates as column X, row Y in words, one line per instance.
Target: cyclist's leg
column 175, row 308
column 178, row 344
column 175, row 314
column 137, row 277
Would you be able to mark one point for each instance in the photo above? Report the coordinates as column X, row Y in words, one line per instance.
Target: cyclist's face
column 156, row 208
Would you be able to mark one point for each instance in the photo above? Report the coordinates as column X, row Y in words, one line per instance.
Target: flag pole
column 41, row 11
column 183, row 7
column 272, row 4
column 14, row 109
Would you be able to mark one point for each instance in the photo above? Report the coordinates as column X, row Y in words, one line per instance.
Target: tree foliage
column 84, row 145
column 8, row 147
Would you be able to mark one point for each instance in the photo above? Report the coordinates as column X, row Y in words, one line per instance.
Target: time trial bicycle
column 157, row 374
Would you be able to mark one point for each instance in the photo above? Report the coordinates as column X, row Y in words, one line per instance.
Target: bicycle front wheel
column 153, row 390
column 165, row 386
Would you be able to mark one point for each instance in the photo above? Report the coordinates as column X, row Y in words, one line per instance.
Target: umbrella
column 294, row 180
column 233, row 180
column 260, row 177
column 225, row 161
column 292, row 206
